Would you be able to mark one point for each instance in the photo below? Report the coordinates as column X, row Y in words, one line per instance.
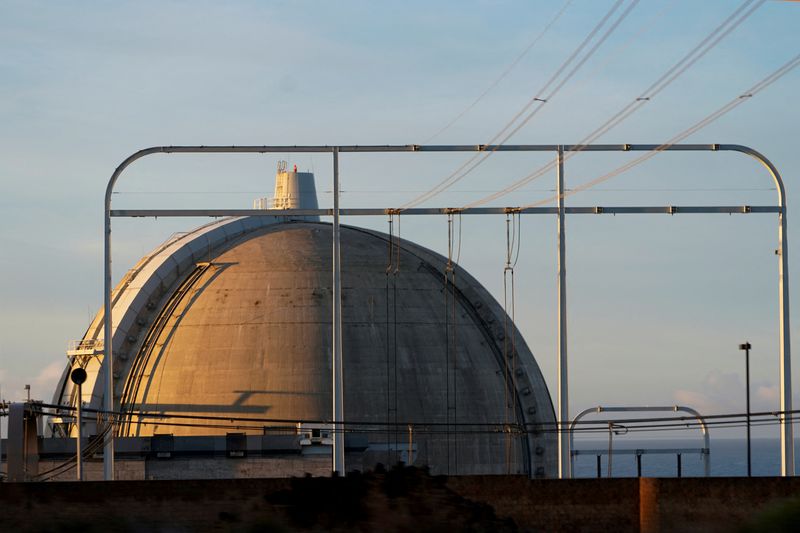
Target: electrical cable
column 620, row 49
column 455, row 340
column 71, row 463
column 513, row 242
column 389, row 268
column 541, row 97
column 425, row 428
column 738, row 16
column 447, row 271
column 394, row 344
column 751, row 92
column 454, row 430
column 502, row 76
column 682, row 419
column 506, row 378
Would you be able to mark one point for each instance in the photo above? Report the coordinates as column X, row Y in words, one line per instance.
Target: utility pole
column 78, row 377
column 746, row 347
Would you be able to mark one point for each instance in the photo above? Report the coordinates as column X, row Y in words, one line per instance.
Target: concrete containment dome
column 241, row 328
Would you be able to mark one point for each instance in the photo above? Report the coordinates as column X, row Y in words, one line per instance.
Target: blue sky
column 657, row 304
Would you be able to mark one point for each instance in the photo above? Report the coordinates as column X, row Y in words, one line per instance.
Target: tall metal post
column 338, row 381
column 747, row 381
column 564, row 470
column 746, row 347
column 610, row 448
column 108, row 356
column 787, row 436
column 78, row 447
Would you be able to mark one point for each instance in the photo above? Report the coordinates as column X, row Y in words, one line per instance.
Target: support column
column 108, row 356
column 338, row 378
column 784, row 345
column 22, row 449
column 787, row 435
column 79, row 436
column 564, row 470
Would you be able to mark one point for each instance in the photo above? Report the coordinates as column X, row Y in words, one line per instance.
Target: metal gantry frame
column 787, row 450
column 644, row 409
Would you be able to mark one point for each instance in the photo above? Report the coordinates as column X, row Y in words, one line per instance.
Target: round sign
column 78, row 376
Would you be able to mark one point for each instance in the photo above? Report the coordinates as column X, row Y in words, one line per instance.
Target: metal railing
column 705, row 451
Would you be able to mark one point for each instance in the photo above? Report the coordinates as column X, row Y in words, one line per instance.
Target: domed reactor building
column 222, row 346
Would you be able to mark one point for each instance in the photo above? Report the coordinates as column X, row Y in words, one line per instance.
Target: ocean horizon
column 728, row 457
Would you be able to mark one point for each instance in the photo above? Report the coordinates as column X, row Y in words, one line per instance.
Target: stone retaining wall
column 402, row 499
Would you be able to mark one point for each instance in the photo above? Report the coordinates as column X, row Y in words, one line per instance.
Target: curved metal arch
column 787, row 436
column 645, row 409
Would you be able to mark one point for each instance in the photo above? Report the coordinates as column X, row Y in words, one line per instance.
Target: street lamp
column 746, row 347
column 78, row 377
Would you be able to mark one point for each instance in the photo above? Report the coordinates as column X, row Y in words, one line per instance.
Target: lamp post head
column 745, row 346
column 78, row 376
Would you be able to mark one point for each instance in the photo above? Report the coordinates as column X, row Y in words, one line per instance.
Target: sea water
column 728, row 457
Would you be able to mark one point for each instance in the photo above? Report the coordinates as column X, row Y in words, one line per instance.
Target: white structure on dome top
column 293, row 190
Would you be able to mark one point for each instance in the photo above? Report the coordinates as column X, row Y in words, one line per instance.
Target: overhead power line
column 226, row 420
column 503, row 75
column 751, row 92
column 541, row 97
column 737, row 17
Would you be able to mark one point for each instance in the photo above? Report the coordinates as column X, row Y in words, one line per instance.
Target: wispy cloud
column 724, row 392
column 42, row 384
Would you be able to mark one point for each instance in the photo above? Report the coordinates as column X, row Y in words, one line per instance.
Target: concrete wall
column 401, row 499
column 195, row 467
column 200, row 468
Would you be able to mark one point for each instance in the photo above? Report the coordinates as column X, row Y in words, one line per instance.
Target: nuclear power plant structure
column 222, row 360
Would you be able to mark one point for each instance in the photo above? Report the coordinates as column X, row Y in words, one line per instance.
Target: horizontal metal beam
column 588, row 210
column 642, row 451
column 439, row 148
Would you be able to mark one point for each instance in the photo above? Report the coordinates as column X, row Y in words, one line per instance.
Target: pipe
column 564, row 470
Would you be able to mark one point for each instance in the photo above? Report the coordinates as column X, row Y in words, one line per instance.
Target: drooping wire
column 458, row 249
column 60, row 469
column 291, row 423
column 645, row 424
column 708, row 119
column 619, row 50
column 447, row 334
column 513, row 228
column 502, row 76
column 392, row 380
column 451, row 339
column 690, row 58
column 450, row 343
column 514, row 357
column 540, row 98
column 455, row 339
column 397, row 262
column 506, row 417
